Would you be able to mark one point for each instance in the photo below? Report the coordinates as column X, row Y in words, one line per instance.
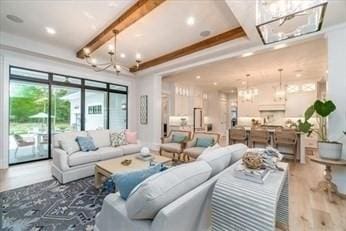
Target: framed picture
column 143, row 110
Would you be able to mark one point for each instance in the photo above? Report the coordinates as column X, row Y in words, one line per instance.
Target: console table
column 239, row 204
column 327, row 184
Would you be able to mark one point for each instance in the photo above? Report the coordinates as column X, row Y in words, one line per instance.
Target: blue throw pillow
column 204, row 142
column 86, row 143
column 125, row 182
column 178, row 138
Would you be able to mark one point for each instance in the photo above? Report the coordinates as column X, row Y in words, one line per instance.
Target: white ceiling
column 161, row 31
column 165, row 30
column 75, row 22
column 309, row 59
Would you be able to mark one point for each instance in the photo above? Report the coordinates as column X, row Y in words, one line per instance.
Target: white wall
column 38, row 62
column 336, row 91
column 151, row 86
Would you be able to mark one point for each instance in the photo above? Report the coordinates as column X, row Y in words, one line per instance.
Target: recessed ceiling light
column 198, row 77
column 190, row 21
column 326, row 71
column 138, row 35
column 14, row 18
column 283, row 45
column 138, row 56
column 50, row 30
column 88, row 15
column 247, row 54
column 122, row 55
column 243, row 82
column 215, row 83
column 205, row 33
column 112, row 4
column 298, row 75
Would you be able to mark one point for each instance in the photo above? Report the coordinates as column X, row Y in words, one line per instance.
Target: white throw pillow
column 101, row 138
column 212, row 148
column 67, row 141
column 159, row 190
column 218, row 159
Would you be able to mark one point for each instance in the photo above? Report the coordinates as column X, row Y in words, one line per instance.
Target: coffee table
column 106, row 168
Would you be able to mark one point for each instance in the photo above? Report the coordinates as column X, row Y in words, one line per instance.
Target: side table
column 327, row 184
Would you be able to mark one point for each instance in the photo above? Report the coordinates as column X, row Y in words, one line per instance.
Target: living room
column 136, row 114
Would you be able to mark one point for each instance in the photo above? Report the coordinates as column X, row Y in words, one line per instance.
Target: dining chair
column 238, row 135
column 259, row 136
column 285, row 140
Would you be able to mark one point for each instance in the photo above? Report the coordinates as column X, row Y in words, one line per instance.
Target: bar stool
column 259, row 136
column 238, row 135
column 285, row 140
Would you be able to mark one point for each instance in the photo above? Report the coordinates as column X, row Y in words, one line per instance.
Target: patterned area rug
column 51, row 206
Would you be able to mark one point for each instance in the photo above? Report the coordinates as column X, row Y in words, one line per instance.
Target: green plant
column 323, row 109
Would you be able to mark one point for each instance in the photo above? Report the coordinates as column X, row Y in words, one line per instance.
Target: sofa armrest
column 165, row 140
column 190, row 144
column 60, row 159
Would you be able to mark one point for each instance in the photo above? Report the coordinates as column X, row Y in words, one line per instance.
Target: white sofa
column 190, row 212
column 69, row 163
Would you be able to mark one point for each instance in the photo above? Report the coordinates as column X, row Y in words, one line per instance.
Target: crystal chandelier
column 248, row 94
column 279, row 20
column 280, row 92
column 112, row 58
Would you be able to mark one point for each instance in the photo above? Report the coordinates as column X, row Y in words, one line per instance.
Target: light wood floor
column 308, row 210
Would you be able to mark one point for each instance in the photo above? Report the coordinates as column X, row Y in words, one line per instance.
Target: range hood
column 272, row 107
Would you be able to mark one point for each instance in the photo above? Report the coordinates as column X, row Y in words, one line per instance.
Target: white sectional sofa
column 69, row 163
column 188, row 212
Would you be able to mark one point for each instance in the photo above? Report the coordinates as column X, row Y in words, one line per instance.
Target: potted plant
column 327, row 149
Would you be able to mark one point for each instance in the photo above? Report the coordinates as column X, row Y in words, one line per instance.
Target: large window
column 43, row 104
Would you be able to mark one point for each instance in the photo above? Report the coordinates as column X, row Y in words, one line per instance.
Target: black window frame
column 50, row 83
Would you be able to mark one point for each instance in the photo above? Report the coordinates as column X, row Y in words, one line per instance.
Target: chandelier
column 248, row 94
column 280, row 92
column 279, row 20
column 112, row 58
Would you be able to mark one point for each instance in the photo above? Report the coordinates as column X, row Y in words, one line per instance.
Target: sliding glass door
column 43, row 104
column 117, row 111
column 28, row 128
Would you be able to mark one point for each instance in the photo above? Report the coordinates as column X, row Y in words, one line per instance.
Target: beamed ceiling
column 157, row 29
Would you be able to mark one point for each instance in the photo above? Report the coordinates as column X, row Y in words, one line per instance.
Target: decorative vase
column 330, row 150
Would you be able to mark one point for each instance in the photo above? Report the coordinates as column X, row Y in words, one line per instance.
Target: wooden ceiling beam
column 130, row 16
column 204, row 44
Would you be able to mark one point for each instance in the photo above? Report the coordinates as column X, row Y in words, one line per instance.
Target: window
column 43, row 104
column 97, row 109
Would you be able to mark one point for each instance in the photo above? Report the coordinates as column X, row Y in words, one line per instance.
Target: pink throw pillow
column 131, row 137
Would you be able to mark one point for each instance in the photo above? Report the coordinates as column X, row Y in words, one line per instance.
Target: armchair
column 168, row 144
column 193, row 150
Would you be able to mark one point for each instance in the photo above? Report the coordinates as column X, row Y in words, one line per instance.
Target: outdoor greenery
column 29, row 100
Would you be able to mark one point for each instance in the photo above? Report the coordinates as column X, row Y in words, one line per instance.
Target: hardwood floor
column 308, row 210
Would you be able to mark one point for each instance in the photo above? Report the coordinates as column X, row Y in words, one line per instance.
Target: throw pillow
column 204, row 142
column 177, row 138
column 86, row 143
column 118, row 139
column 125, row 182
column 211, row 149
column 131, row 137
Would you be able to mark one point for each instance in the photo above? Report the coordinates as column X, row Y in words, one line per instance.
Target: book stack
column 145, row 156
column 253, row 175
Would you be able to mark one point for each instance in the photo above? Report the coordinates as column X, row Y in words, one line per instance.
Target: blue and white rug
column 51, row 206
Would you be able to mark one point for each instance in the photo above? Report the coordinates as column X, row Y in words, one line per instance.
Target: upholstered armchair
column 175, row 142
column 199, row 143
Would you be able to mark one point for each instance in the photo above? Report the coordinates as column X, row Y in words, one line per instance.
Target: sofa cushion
column 178, row 138
column 218, row 159
column 171, row 147
column 101, row 138
column 161, row 189
column 104, row 153
column 126, row 181
column 131, row 137
column 194, row 152
column 86, row 143
column 118, row 139
column 205, row 142
column 131, row 148
column 67, row 141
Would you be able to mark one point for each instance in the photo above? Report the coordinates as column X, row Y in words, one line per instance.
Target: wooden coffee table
column 106, row 168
